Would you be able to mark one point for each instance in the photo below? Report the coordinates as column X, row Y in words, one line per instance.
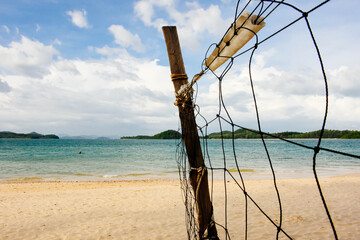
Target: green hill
column 246, row 134
column 32, row 135
column 169, row 134
column 242, row 133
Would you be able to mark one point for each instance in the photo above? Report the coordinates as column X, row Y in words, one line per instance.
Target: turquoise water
column 59, row 159
column 288, row 160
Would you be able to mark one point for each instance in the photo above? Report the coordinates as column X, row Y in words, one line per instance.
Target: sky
column 87, row 67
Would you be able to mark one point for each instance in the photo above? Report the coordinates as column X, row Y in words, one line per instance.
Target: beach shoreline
column 154, row 209
column 216, row 175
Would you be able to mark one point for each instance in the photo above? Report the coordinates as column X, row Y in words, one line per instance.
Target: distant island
column 32, row 135
column 169, row 134
column 245, row 134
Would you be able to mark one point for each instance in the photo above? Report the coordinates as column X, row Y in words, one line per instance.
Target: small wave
column 25, row 179
column 124, row 175
column 137, row 174
column 84, row 174
column 110, row 176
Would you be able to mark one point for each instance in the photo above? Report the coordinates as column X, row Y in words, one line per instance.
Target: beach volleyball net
column 241, row 41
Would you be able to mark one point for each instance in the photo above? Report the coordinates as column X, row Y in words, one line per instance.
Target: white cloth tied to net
column 245, row 28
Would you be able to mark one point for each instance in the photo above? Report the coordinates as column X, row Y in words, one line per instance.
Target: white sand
column 155, row 210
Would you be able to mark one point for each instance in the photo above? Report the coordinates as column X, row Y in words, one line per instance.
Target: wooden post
column 198, row 170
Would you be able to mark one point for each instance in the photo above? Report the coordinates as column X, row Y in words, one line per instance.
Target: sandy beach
column 154, row 209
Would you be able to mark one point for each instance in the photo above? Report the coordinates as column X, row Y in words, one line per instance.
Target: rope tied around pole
column 181, row 76
column 186, row 91
column 184, row 94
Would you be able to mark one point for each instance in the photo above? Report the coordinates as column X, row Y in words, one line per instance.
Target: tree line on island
column 32, row 135
column 168, row 134
column 246, row 134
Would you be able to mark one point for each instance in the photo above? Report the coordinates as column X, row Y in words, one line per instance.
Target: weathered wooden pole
column 198, row 170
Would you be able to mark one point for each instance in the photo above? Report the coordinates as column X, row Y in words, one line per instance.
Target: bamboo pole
column 198, row 170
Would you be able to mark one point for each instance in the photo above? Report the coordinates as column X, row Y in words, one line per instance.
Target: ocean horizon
column 119, row 159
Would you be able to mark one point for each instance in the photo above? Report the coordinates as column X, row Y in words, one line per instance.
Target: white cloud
column 126, row 39
column 193, row 25
column 286, row 100
column 57, row 42
column 38, row 27
column 344, row 81
column 27, row 57
column 78, row 18
column 199, row 22
column 6, row 28
column 344, row 113
column 110, row 52
column 144, row 9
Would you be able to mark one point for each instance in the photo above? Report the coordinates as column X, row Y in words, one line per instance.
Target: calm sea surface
column 59, row 159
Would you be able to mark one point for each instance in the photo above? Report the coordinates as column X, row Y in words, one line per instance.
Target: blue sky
column 89, row 67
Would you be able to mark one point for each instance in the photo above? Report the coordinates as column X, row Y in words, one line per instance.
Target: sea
column 135, row 159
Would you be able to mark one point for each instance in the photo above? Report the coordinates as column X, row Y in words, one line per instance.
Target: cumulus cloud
column 193, row 25
column 145, row 10
column 27, row 57
column 126, row 39
column 78, row 18
column 296, row 99
column 109, row 51
column 344, row 81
